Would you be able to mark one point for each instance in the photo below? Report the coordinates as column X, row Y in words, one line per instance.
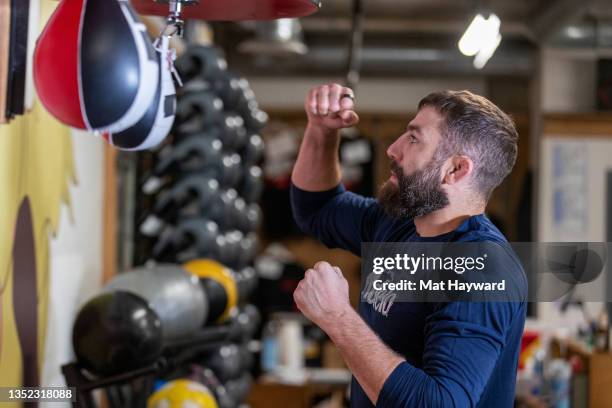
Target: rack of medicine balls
column 178, row 327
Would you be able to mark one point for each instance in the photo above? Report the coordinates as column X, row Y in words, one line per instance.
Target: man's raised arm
column 329, row 109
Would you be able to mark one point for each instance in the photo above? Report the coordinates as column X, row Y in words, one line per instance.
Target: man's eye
column 413, row 139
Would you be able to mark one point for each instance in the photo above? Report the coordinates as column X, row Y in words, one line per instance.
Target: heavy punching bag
column 172, row 293
column 95, row 67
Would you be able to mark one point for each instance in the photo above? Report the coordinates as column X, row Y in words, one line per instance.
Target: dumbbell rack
column 216, row 127
column 210, row 121
column 173, row 356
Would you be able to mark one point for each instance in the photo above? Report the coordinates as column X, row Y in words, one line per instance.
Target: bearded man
column 458, row 148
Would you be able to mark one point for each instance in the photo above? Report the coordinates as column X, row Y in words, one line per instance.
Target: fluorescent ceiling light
column 481, row 39
column 486, row 52
column 469, row 44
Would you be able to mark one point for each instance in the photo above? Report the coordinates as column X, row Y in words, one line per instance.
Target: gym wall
column 76, row 255
column 569, row 81
column 37, row 168
column 50, row 255
column 573, row 204
column 567, row 87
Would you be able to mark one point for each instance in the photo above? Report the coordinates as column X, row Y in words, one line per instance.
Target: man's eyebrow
column 414, row 128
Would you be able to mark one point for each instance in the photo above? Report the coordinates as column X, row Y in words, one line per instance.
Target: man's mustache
column 396, row 169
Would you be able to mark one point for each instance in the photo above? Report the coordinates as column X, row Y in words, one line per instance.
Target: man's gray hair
column 475, row 127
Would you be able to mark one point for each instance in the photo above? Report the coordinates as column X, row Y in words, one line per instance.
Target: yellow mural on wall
column 36, row 163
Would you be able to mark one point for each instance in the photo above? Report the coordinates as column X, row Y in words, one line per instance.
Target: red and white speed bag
column 95, row 67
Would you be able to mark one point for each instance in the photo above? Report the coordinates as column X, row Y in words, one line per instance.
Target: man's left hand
column 323, row 295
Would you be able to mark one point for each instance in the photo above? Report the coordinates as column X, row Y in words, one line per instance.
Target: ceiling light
column 276, row 38
column 575, row 33
column 481, row 39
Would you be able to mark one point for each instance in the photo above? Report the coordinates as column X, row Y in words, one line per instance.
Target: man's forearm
column 368, row 358
column 317, row 167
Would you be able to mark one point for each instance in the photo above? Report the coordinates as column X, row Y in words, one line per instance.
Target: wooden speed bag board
column 233, row 10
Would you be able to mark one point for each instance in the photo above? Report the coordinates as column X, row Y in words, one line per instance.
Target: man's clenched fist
column 323, row 295
column 331, row 107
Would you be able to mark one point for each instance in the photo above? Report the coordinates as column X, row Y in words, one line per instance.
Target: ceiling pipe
column 391, row 60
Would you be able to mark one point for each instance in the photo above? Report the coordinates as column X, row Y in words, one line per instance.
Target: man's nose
column 394, row 152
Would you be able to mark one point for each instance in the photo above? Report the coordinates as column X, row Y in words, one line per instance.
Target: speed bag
column 157, row 121
column 94, row 65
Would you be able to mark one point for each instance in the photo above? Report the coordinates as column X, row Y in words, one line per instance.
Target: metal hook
column 174, row 20
column 175, row 25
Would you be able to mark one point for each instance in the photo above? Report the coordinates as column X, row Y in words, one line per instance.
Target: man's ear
column 457, row 169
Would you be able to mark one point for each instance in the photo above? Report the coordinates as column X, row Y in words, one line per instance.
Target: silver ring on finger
column 347, row 95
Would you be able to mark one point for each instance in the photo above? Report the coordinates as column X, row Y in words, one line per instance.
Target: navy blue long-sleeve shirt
column 458, row 354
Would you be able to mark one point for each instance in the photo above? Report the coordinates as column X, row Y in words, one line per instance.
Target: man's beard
column 414, row 195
